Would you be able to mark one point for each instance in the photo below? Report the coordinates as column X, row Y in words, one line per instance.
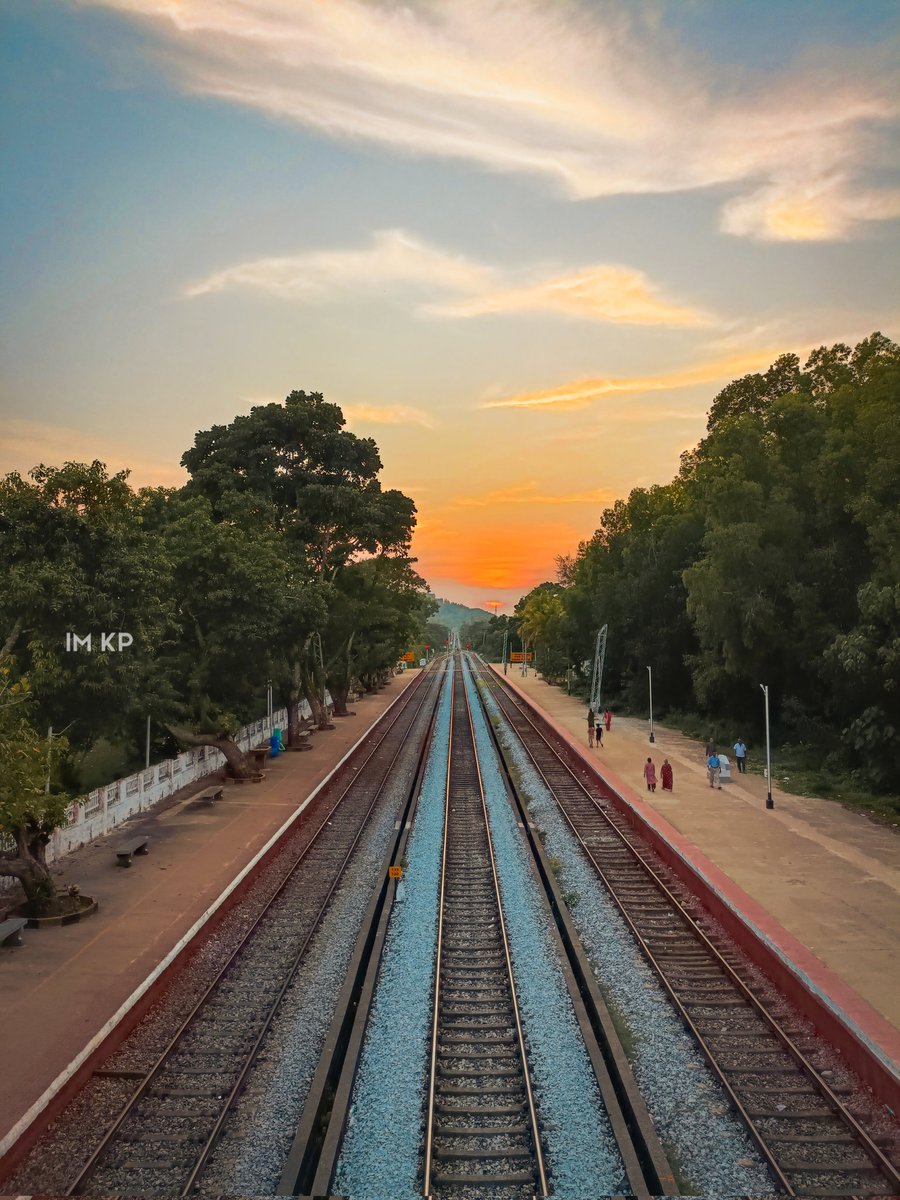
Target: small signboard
column 518, row 656
column 408, row 657
column 395, row 872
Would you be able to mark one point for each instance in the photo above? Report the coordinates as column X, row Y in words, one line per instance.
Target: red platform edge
column 869, row 1044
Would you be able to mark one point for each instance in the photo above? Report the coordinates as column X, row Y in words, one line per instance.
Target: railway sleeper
column 480, row 1025
column 477, row 1071
column 490, row 1110
column 514, row 1177
column 470, row 1040
column 465, row 1131
column 509, row 1089
column 797, row 1089
column 503, row 1152
column 860, row 1166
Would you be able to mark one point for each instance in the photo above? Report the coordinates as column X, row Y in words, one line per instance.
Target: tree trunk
column 313, row 692
column 238, row 763
column 29, row 866
column 295, row 692
column 339, row 679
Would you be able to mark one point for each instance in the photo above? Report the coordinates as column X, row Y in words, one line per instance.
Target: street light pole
column 650, row 681
column 770, row 803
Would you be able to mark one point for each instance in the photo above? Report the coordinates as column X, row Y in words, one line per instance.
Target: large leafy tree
column 75, row 558
column 297, row 471
column 235, row 593
column 28, row 813
column 378, row 605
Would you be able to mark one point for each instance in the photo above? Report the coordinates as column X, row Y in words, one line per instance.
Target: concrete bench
column 260, row 754
column 127, row 849
column 211, row 794
column 11, row 931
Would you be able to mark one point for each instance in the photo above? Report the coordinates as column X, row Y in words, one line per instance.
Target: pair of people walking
column 667, row 775
column 595, row 725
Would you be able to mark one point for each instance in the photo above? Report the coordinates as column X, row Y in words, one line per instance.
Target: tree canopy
column 772, row 557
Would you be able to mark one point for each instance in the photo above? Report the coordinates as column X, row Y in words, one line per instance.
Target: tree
column 298, row 472
column 76, row 558
column 542, row 623
column 28, row 814
column 378, row 606
column 235, row 594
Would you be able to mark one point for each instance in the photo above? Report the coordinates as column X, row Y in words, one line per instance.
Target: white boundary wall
column 106, row 807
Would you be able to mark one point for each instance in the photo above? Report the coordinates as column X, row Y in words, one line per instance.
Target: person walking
column 590, row 720
column 710, row 746
column 712, row 771
column 607, row 720
column 667, row 776
column 650, row 775
column 740, row 754
column 598, row 730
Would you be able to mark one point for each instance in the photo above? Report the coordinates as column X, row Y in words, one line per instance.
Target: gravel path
column 709, row 1146
column 388, row 1095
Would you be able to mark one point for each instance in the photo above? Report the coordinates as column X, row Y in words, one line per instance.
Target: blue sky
column 522, row 244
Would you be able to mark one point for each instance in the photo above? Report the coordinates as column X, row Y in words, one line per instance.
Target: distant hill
column 454, row 616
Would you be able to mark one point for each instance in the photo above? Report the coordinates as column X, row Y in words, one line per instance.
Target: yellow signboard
column 517, row 656
column 395, row 872
column 408, row 657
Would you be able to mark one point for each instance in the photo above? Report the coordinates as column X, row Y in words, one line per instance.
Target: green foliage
column 28, row 814
column 455, row 616
column 771, row 558
column 75, row 556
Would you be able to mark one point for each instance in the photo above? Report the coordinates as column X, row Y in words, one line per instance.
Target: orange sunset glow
column 522, row 245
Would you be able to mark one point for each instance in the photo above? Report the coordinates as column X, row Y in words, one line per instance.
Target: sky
column 521, row 244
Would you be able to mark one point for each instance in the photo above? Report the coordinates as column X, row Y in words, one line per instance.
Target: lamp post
column 650, row 683
column 770, row 803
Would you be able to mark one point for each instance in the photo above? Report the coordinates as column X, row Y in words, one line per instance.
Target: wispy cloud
column 389, row 414
column 582, row 392
column 601, row 293
column 399, row 260
column 394, row 257
column 599, row 99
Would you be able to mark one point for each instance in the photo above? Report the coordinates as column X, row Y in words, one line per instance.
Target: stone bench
column 125, row 851
column 11, row 931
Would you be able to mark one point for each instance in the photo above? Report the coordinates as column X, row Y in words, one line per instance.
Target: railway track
column 813, row 1143
column 481, row 1119
column 162, row 1139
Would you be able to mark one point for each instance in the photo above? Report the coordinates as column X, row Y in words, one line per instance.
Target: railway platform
column 818, row 881
column 60, row 989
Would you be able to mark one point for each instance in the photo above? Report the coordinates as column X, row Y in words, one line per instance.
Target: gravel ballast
column 714, row 1153
column 380, row 1152
column 580, row 1147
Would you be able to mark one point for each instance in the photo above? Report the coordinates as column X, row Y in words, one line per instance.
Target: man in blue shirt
column 740, row 753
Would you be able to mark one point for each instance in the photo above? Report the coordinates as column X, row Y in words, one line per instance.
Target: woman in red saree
column 667, row 776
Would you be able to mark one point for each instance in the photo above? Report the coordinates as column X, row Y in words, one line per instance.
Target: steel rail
column 838, row 1108
column 417, row 691
column 459, row 682
column 532, row 1109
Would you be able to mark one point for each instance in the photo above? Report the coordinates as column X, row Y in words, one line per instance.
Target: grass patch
column 802, row 770
column 686, row 1185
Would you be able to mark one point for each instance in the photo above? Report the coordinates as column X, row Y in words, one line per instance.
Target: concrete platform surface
column 60, row 988
column 829, row 876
